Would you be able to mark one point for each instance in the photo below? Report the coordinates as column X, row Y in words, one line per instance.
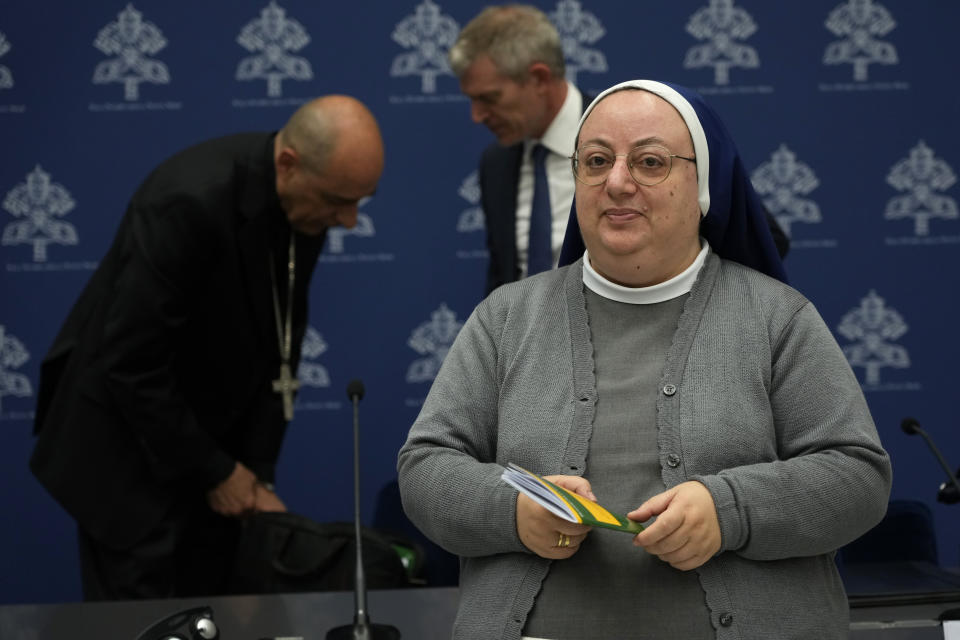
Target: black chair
column 896, row 562
column 440, row 567
column 906, row 534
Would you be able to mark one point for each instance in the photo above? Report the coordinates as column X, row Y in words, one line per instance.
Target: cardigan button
column 726, row 619
column 673, row 461
column 669, row 389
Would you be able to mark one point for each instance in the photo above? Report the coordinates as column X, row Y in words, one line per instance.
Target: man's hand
column 540, row 530
column 267, row 500
column 235, row 496
column 686, row 533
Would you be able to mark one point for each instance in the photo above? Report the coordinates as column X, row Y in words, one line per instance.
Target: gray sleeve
column 831, row 481
column 449, row 479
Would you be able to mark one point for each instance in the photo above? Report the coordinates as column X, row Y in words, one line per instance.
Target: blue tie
column 540, row 248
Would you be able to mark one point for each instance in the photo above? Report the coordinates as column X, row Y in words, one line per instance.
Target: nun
column 667, row 370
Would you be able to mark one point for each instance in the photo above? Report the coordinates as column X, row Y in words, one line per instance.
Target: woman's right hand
column 542, row 532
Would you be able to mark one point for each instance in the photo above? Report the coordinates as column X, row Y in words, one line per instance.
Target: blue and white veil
column 734, row 219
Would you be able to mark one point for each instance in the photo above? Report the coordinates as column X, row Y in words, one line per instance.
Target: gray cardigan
column 756, row 401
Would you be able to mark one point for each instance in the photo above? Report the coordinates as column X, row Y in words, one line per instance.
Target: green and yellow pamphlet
column 566, row 504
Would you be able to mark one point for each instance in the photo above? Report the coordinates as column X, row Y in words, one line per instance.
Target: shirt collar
column 560, row 136
column 667, row 290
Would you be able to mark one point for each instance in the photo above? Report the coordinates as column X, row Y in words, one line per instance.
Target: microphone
column 189, row 624
column 948, row 493
column 362, row 628
column 355, row 389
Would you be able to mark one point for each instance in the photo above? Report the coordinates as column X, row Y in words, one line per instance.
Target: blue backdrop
column 844, row 112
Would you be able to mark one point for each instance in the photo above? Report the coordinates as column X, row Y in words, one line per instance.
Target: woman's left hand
column 686, row 533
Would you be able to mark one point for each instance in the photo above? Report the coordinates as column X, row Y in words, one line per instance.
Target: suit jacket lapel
column 507, row 162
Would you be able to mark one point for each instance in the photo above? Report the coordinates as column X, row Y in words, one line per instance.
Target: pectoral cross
column 286, row 384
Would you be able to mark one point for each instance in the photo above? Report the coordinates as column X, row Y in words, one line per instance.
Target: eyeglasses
column 648, row 164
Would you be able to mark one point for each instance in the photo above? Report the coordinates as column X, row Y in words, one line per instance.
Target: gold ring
column 564, row 541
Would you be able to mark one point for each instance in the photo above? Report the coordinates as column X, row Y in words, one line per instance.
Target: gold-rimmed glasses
column 648, row 164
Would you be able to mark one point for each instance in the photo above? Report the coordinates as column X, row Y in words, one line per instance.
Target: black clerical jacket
column 160, row 378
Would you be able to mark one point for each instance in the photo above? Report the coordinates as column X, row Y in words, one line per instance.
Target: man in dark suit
column 510, row 64
column 164, row 399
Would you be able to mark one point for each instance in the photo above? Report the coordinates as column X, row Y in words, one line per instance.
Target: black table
column 888, row 601
column 900, row 600
column 419, row 614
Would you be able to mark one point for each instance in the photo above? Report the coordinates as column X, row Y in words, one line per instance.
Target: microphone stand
column 362, row 628
column 949, row 492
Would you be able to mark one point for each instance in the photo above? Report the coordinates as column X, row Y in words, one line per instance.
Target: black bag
column 287, row 552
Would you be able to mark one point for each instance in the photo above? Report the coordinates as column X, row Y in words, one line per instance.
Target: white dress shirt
column 559, row 139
